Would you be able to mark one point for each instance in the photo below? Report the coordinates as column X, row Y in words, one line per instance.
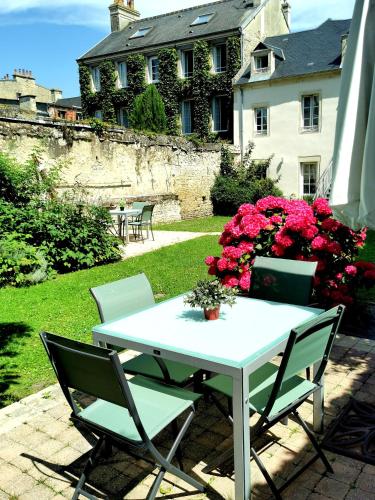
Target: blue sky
column 47, row 36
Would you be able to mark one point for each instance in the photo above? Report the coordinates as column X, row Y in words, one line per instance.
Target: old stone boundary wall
column 121, row 165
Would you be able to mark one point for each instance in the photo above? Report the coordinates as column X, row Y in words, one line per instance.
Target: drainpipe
column 241, row 125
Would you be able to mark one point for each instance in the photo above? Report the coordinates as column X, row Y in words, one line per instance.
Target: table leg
column 126, row 228
column 318, row 404
column 241, row 436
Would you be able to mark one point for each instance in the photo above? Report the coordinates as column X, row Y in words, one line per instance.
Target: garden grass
column 65, row 306
column 204, row 225
column 368, row 253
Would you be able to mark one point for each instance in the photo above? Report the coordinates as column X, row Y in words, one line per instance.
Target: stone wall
column 121, row 164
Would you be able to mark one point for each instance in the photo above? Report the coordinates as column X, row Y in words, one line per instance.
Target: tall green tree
column 149, row 112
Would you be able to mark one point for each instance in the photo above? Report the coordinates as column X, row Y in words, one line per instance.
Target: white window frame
column 215, row 99
column 260, row 133
column 150, row 73
column 260, row 55
column 122, row 79
column 215, row 51
column 95, row 78
column 311, row 127
column 142, row 32
column 183, row 63
column 203, row 19
column 306, row 162
column 182, row 117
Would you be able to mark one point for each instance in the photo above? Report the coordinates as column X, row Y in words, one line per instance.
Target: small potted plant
column 209, row 295
column 122, row 204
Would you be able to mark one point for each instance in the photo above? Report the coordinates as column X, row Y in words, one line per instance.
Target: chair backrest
column 282, row 280
column 122, row 297
column 308, row 344
column 138, row 205
column 86, row 368
column 147, row 213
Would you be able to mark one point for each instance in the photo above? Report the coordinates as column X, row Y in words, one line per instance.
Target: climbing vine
column 201, row 87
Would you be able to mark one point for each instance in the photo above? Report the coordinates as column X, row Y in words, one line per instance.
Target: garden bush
column 20, row 263
column 292, row 229
column 148, row 112
column 248, row 182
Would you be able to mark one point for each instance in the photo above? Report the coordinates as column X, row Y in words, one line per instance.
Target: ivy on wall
column 201, row 87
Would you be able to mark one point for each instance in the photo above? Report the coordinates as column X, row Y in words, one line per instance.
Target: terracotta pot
column 212, row 314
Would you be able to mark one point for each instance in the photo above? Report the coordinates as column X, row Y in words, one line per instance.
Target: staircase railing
column 324, row 184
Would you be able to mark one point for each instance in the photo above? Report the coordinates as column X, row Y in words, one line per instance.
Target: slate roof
column 304, row 52
column 69, row 102
column 176, row 27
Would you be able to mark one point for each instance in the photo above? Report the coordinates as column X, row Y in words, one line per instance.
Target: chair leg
column 165, row 463
column 178, row 451
column 89, row 465
column 314, row 442
column 267, row 477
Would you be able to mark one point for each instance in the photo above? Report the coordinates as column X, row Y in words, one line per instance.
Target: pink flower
column 271, row 203
column 330, row 225
column 319, row 243
column 230, row 281
column 310, row 232
column 351, row 270
column 276, row 219
column 247, row 209
column 209, row 260
column 334, row 247
column 222, row 264
column 278, row 250
column 244, row 281
column 369, row 275
column 232, row 264
column 321, row 207
column 365, row 266
column 225, row 239
column 246, row 247
column 283, row 239
column 212, row 270
column 232, row 252
column 237, row 232
column 339, row 276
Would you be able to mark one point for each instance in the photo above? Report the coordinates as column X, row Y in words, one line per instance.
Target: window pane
column 122, row 73
column 188, row 62
column 154, row 69
column 309, row 173
column 187, row 122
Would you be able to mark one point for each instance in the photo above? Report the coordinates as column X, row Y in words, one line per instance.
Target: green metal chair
column 138, row 205
column 128, row 296
column 282, row 280
column 125, row 413
column 276, row 392
column 144, row 220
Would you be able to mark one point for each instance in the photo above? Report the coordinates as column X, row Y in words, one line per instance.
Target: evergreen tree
column 148, row 112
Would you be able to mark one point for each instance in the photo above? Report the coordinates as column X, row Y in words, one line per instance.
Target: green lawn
column 65, row 306
column 368, row 253
column 203, row 225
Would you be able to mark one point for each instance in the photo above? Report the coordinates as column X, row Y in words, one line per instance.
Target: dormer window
column 203, row 19
column 141, row 33
column 261, row 62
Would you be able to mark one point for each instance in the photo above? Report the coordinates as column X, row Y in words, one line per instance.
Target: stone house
column 216, row 23
column 21, row 95
column 285, row 102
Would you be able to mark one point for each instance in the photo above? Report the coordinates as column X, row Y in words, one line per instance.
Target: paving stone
column 358, row 494
column 332, row 488
column 39, row 492
column 366, row 482
column 344, row 473
column 18, row 485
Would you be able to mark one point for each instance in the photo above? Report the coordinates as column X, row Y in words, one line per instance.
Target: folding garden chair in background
column 125, row 413
column 127, row 296
column 143, row 221
column 277, row 391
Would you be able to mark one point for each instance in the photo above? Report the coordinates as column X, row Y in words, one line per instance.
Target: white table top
column 241, row 334
column 126, row 211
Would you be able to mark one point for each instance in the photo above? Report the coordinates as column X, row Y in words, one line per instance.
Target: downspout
column 241, row 125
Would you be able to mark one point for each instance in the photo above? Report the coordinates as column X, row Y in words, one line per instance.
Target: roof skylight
column 203, row 19
column 141, row 32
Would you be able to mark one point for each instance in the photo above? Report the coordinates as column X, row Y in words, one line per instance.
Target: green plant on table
column 210, row 294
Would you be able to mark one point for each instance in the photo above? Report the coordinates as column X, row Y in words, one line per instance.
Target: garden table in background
column 122, row 217
column 246, row 336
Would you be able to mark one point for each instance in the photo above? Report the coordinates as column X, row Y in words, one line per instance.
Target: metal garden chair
column 143, row 221
column 128, row 296
column 282, row 280
column 125, row 413
column 277, row 392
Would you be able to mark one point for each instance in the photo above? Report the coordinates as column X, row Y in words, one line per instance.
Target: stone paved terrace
column 41, row 452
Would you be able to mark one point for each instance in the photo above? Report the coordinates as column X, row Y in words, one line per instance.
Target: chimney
column 56, row 94
column 122, row 15
column 287, row 11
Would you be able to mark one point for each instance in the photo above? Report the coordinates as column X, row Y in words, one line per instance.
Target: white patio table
column 246, row 336
column 123, row 219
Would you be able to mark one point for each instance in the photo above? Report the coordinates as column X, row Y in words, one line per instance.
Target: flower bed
column 292, row 229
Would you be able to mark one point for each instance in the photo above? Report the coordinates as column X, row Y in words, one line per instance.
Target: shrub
column 245, row 184
column 292, row 229
column 20, row 263
column 148, row 112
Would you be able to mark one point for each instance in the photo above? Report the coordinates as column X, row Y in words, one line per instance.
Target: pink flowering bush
column 292, row 229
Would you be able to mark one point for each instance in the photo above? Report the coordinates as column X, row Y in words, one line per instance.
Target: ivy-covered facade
column 194, row 76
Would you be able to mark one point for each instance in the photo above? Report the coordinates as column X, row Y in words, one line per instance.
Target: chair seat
column 147, row 366
column 261, row 385
column 157, row 404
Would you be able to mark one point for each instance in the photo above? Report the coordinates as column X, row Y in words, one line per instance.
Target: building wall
column 24, row 86
column 122, row 165
column 285, row 140
column 270, row 21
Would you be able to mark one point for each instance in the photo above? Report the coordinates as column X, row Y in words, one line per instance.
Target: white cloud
column 305, row 13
